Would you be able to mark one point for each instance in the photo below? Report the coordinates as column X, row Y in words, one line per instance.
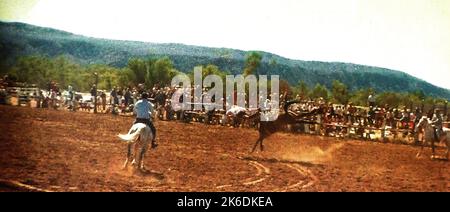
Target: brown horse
column 267, row 128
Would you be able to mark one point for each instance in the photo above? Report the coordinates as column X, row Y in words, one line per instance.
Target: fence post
column 95, row 92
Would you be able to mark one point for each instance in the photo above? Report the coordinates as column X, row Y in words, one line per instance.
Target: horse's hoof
column 154, row 145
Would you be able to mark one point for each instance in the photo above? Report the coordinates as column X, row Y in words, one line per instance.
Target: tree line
column 340, row 94
column 41, row 70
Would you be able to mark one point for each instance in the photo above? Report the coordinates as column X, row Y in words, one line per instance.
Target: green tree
column 410, row 100
column 162, row 71
column 252, row 63
column 33, row 69
column 419, row 94
column 139, row 69
column 360, row 96
column 390, row 99
column 213, row 69
column 302, row 89
column 150, row 78
column 319, row 91
column 340, row 92
column 285, row 89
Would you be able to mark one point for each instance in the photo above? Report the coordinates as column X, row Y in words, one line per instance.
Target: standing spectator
column 120, row 95
column 103, row 97
column 140, row 88
column 351, row 112
column 5, row 82
column 114, row 99
column 159, row 98
column 127, row 97
column 339, row 114
column 134, row 95
column 371, row 116
column 50, row 87
column 71, row 97
column 389, row 116
column 94, row 94
column 404, row 120
column 39, row 98
column 396, row 116
column 371, row 100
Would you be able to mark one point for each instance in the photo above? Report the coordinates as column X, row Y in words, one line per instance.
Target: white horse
column 140, row 135
column 428, row 136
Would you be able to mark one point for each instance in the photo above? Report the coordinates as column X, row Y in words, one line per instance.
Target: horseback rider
column 143, row 110
column 436, row 122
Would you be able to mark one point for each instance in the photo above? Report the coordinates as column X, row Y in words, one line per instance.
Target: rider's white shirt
column 143, row 109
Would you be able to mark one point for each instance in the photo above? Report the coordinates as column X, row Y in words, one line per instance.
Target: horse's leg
column 128, row 156
column 432, row 148
column 421, row 149
column 136, row 153
column 259, row 141
column 141, row 156
column 447, row 139
column 144, row 146
column 416, row 138
column 261, row 146
column 420, row 142
column 256, row 143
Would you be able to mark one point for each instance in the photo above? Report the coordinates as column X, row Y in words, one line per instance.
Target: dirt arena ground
column 67, row 151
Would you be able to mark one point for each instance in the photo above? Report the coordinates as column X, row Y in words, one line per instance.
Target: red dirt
column 67, row 151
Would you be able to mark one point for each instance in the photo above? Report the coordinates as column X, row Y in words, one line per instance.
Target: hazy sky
column 408, row 35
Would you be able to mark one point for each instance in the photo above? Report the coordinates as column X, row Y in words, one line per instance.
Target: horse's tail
column 132, row 136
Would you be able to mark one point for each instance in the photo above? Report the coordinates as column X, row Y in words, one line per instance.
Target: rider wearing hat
column 143, row 110
column 436, row 122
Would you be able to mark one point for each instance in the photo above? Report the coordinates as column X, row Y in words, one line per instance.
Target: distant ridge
column 19, row 39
